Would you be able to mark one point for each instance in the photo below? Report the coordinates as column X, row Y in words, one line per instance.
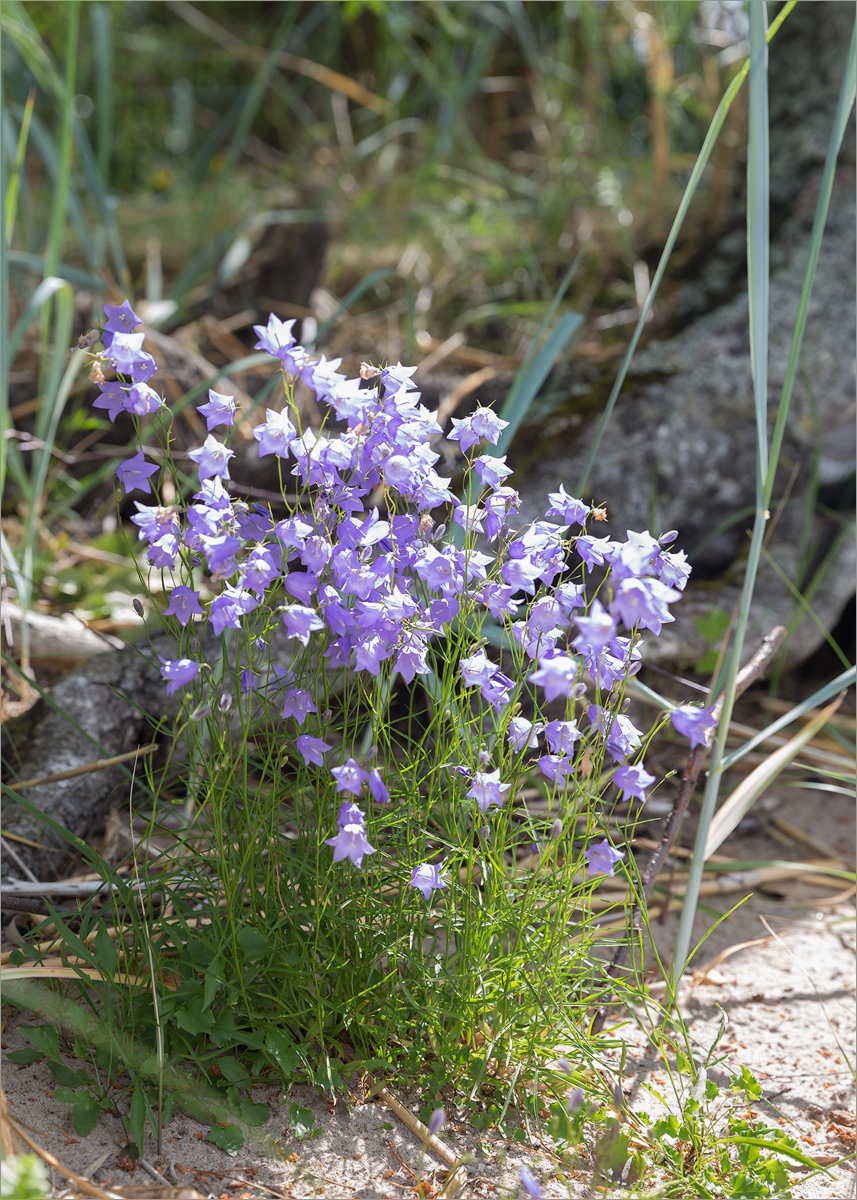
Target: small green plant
column 24, row 1177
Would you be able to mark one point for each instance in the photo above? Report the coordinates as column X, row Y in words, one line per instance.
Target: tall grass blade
column 758, row 208
column 76, row 275
column 101, row 20
column 695, row 177
column 736, row 806
column 13, row 186
column 846, row 680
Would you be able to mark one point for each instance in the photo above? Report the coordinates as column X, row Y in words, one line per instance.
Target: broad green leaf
column 301, row 1121
column 228, row 1138
column 254, row 1114
column 46, row 1038
column 27, row 1055
column 253, row 943
column 85, row 1114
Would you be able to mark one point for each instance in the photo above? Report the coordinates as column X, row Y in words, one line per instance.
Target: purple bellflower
column 693, row 723
column 134, row 473
column 351, row 842
column 179, row 672
column 426, row 877
column 601, row 858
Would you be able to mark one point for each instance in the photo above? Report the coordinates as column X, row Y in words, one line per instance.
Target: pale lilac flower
column 378, row 788
column 556, row 675
column 523, row 734
column 693, row 723
column 229, row 607
column 350, row 814
column 212, row 459
column 601, row 858
column 113, row 397
column 561, row 736
column 351, row 842
column 569, row 509
column 349, row 777
column 134, row 473
column 179, row 672
column 312, row 749
column 276, row 436
column 487, row 789
column 620, row 733
column 142, row 400
column 492, row 471
column 633, row 780
column 557, row 768
column 438, row 1117
column 220, row 409
column 482, row 423
column 301, row 622
column 260, row 569
column 531, row 1184
column 184, row 604
column 596, row 629
column 121, row 318
column 426, row 877
column 297, row 704
column 276, row 338
column 477, row 670
column 248, row 681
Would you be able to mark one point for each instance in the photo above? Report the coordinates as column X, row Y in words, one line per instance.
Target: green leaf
column 105, row 951
column 27, row 1055
column 327, row 1075
column 254, row 1114
column 193, row 1019
column 66, row 1095
column 66, row 1076
column 85, row 1114
column 253, row 944
column 283, row 1052
column 228, row 1138
column 137, row 1116
column 233, row 1071
column 45, row 1037
column 301, row 1121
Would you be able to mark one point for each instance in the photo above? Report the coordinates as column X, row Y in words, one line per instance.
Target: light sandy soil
column 791, row 1010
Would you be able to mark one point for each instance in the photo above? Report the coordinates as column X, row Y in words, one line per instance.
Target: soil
column 790, row 1005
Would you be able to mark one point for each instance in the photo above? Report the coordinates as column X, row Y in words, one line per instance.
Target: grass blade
column 735, row 807
column 758, row 208
column 695, row 177
column 13, row 186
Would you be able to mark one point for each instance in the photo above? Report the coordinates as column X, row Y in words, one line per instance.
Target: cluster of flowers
column 379, row 590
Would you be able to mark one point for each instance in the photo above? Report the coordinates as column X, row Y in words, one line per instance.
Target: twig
column 747, row 675
column 87, row 768
column 18, row 861
column 458, row 1173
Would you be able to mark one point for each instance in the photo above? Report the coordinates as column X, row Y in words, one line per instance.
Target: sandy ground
column 790, row 1004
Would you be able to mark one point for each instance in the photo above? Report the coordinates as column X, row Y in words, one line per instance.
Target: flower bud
column 556, row 829
column 138, row 606
column 225, row 702
column 438, row 1120
column 574, row 1100
column 201, row 712
column 578, row 691
column 666, row 538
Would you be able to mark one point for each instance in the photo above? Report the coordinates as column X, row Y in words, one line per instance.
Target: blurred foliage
column 496, row 138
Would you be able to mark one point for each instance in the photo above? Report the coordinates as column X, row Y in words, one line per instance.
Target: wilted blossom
column 601, row 858
column 693, row 723
column 427, row 878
